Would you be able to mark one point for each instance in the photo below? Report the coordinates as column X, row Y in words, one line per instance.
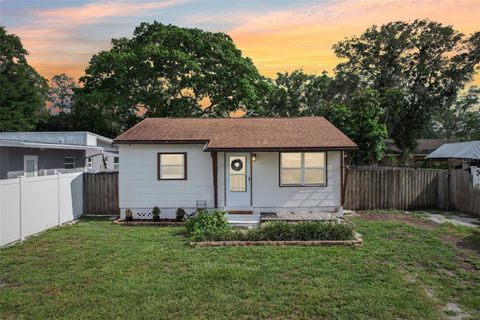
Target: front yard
column 406, row 268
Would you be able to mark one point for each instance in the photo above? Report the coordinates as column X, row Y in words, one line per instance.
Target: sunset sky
column 279, row 36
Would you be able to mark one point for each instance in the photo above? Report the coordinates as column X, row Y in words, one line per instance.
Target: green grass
column 97, row 270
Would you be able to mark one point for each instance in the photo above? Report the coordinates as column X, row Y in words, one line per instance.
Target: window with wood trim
column 303, row 169
column 172, row 166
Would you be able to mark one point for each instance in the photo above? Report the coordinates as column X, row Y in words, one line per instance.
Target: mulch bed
column 163, row 222
column 357, row 242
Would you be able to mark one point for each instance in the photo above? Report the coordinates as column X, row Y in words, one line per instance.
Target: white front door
column 238, row 181
column 30, row 166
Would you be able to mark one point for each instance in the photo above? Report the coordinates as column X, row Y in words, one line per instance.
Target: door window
column 238, row 174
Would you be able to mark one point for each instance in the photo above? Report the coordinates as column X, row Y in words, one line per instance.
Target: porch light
column 254, row 156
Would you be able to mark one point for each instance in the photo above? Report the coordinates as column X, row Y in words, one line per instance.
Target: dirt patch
column 410, row 220
column 454, row 312
column 468, row 244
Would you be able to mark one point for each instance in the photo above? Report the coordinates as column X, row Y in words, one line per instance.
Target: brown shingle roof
column 240, row 133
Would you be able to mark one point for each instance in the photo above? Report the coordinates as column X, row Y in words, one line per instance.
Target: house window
column 303, row 169
column 69, row 163
column 89, row 163
column 116, row 161
column 172, row 166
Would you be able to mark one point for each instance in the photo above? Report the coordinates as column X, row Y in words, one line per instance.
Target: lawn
column 97, row 270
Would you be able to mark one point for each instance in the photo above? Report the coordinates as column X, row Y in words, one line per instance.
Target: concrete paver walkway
column 454, row 219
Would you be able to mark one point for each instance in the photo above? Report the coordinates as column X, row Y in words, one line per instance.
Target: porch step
column 243, row 220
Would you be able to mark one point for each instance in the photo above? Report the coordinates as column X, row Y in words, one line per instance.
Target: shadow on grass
column 471, row 242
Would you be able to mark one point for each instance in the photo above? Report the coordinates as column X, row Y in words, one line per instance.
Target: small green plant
column 180, row 214
column 156, row 214
column 207, row 225
column 128, row 215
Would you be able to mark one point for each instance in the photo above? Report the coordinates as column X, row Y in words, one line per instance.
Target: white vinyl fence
column 29, row 205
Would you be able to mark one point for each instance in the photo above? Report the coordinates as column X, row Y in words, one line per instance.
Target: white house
column 243, row 165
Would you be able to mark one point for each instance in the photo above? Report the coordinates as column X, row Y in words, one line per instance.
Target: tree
column 423, row 63
column 357, row 113
column 23, row 90
column 457, row 120
column 366, row 128
column 295, row 94
column 61, row 93
column 170, row 71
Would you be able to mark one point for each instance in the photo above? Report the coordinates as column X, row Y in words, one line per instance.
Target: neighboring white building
column 243, row 165
column 43, row 153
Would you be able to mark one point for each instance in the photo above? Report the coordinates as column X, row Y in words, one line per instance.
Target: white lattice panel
column 146, row 213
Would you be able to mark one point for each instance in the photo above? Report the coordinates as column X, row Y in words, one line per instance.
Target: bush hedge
column 209, row 228
column 207, row 225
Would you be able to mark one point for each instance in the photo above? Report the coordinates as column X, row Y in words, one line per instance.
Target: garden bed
column 163, row 222
column 212, row 229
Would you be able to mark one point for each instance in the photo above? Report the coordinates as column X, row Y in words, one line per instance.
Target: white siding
column 268, row 194
column 140, row 188
column 91, row 140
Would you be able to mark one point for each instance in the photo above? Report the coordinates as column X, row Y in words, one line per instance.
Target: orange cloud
column 303, row 38
column 56, row 45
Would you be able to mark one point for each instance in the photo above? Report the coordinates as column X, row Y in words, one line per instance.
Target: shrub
column 307, row 230
column 180, row 214
column 128, row 215
column 156, row 214
column 207, row 225
column 284, row 231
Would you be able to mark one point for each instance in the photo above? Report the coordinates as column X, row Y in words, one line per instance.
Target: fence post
column 21, row 208
column 58, row 198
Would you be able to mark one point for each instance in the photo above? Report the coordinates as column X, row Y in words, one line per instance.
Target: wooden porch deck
column 300, row 216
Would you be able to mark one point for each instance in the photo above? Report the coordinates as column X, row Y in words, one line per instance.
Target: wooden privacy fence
column 411, row 189
column 100, row 193
column 366, row 188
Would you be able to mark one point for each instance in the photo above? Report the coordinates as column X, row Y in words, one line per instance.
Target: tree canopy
column 357, row 113
column 404, row 80
column 461, row 119
column 418, row 68
column 23, row 90
column 165, row 70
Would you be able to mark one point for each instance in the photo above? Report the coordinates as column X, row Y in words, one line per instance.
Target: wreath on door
column 237, row 165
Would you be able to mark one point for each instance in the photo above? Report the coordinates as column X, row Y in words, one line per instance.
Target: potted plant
column 156, row 214
column 180, row 214
column 128, row 215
